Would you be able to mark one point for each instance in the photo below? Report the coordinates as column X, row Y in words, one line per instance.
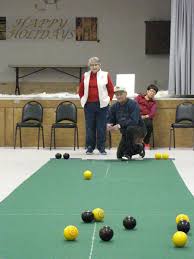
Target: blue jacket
column 127, row 114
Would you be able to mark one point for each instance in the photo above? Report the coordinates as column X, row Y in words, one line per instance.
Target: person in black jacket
column 124, row 115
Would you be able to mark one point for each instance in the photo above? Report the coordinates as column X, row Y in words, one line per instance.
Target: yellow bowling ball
column 179, row 239
column 158, row 156
column 181, row 217
column 165, row 156
column 71, row 232
column 87, row 175
column 98, row 214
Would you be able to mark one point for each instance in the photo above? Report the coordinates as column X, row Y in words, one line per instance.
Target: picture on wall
column 2, row 28
column 86, row 29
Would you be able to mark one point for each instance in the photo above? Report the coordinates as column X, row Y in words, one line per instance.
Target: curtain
column 181, row 66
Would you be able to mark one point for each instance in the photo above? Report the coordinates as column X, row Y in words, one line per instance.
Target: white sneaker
column 139, row 158
column 126, row 158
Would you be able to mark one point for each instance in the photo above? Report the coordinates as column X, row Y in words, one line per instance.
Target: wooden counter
column 10, row 113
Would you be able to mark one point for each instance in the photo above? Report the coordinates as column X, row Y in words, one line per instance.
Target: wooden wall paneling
column 81, row 127
column 17, row 118
column 64, row 137
column 48, row 120
column 183, row 137
column 10, row 113
column 9, row 126
column 162, row 121
column 116, row 136
column 2, row 129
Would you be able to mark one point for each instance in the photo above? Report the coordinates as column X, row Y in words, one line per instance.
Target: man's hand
column 116, row 127
column 144, row 116
column 109, row 126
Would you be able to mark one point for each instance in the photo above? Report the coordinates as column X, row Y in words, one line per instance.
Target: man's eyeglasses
column 94, row 65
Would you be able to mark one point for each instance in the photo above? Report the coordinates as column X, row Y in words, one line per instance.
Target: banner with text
column 40, row 28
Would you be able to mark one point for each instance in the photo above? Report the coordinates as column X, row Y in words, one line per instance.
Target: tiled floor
column 17, row 165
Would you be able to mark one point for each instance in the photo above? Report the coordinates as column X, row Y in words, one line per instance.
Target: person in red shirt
column 147, row 106
column 96, row 90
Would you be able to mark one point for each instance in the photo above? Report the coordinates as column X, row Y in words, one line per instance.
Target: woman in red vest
column 96, row 91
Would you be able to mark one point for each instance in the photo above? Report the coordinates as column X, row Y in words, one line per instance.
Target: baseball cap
column 119, row 89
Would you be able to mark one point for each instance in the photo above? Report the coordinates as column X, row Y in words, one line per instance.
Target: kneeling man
column 124, row 115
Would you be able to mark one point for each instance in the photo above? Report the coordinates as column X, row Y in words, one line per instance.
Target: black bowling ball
column 129, row 222
column 58, row 156
column 184, row 226
column 87, row 216
column 106, row 233
column 66, row 156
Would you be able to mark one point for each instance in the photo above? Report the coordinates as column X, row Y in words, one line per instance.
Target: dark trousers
column 96, row 119
column 149, row 126
column 127, row 145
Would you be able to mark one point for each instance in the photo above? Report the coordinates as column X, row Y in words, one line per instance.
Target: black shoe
column 102, row 152
column 89, row 151
column 142, row 151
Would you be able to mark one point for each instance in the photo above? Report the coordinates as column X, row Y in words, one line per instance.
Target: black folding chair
column 32, row 117
column 184, row 119
column 66, row 118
